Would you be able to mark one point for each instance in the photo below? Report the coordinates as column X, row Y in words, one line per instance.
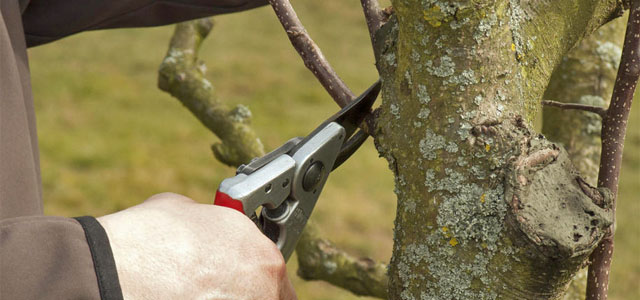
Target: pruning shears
column 287, row 182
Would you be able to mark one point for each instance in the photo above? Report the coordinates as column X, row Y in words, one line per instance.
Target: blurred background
column 109, row 138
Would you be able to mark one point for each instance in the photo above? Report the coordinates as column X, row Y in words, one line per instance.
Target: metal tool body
column 287, row 182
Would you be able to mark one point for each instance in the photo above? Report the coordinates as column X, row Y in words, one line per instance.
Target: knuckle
column 267, row 253
column 267, row 247
column 275, row 260
column 239, row 221
column 168, row 197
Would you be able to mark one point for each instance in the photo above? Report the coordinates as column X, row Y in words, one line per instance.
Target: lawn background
column 109, row 138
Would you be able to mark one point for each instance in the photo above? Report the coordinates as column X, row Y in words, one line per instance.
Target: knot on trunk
column 558, row 212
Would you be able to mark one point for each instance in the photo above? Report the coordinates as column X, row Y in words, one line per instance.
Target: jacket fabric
column 48, row 257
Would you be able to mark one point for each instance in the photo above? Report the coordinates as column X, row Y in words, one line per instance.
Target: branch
column 310, row 53
column 588, row 108
column 374, row 16
column 614, row 127
column 182, row 76
column 319, row 259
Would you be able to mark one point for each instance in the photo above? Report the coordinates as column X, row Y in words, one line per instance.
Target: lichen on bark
column 462, row 82
column 181, row 74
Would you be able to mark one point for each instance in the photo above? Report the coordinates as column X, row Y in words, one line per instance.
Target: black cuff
column 103, row 262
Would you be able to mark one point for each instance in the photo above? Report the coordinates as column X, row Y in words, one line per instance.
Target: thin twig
column 601, row 111
column 374, row 17
column 310, row 53
column 614, row 127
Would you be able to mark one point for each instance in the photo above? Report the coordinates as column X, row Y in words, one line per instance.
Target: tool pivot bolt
column 312, row 176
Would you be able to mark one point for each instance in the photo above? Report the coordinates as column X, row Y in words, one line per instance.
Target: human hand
column 170, row 247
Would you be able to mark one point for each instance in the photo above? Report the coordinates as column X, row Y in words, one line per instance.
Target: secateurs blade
column 287, row 182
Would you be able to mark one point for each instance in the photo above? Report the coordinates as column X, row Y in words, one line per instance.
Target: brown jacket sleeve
column 49, row 20
column 56, row 258
column 53, row 257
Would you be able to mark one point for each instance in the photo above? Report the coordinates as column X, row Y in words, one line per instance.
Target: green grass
column 109, row 138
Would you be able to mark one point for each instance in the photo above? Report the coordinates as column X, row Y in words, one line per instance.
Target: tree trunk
column 487, row 208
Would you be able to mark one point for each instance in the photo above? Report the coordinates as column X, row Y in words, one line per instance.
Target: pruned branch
column 588, row 108
column 319, row 259
column 310, row 53
column 374, row 17
column 182, row 76
column 614, row 126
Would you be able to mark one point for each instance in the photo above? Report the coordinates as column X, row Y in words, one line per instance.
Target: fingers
column 274, row 271
column 286, row 291
column 170, row 234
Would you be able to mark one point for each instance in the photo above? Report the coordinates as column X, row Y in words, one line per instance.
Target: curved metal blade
column 353, row 114
column 349, row 116
column 350, row 147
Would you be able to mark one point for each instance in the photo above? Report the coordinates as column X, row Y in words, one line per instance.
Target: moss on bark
column 462, row 81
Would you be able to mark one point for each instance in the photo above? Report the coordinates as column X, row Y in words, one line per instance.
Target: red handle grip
column 223, row 199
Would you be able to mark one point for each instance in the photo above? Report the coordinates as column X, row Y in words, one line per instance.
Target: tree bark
column 585, row 76
column 487, row 208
